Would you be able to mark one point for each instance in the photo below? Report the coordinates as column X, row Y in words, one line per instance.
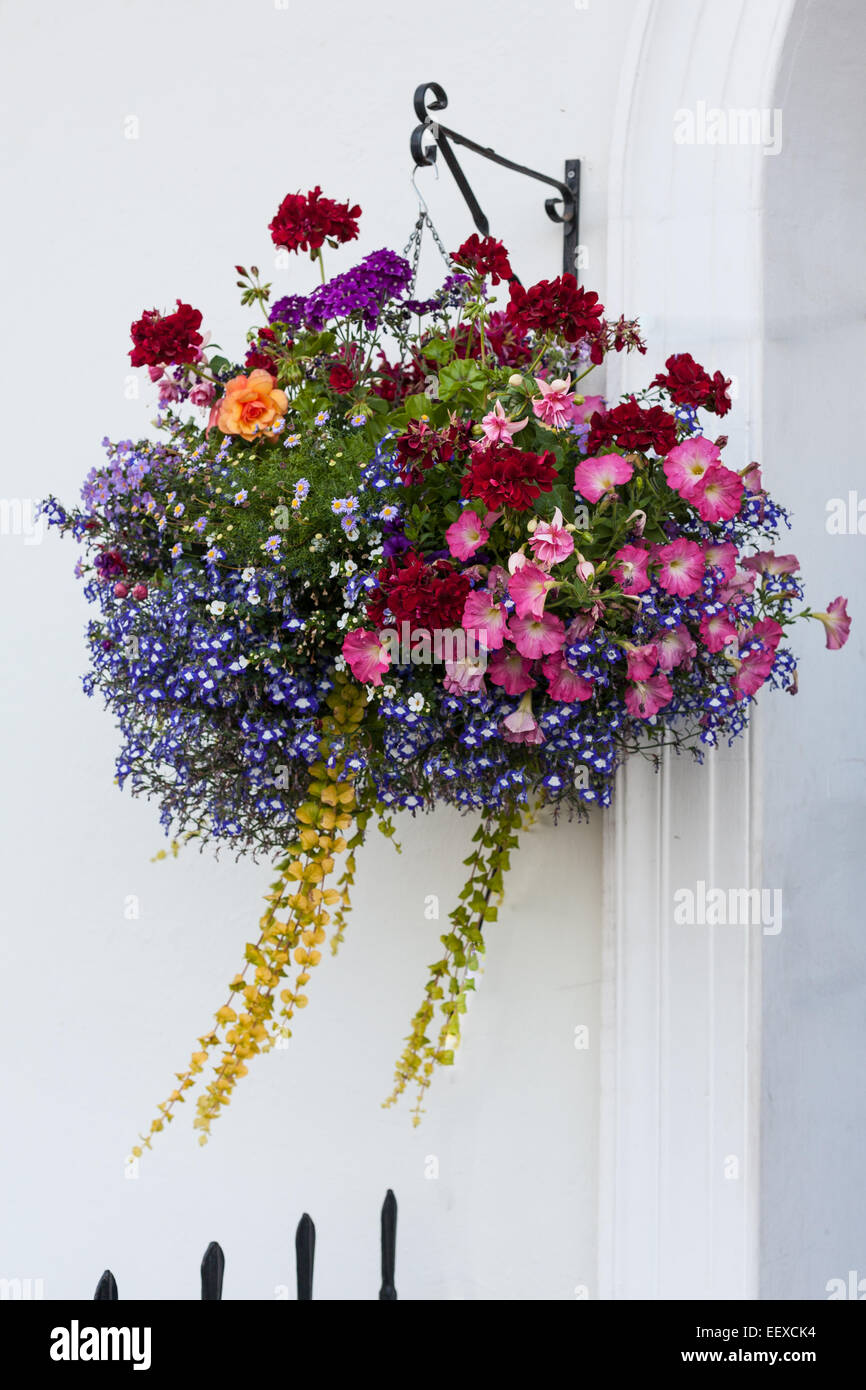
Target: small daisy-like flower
column 162, row 523
column 323, row 417
column 291, row 441
column 359, row 419
column 178, row 509
column 217, row 608
column 150, row 507
column 212, row 554
column 388, row 513
column 200, row 525
column 278, row 425
column 272, row 544
column 296, row 504
column 415, row 702
column 302, row 488
column 351, row 504
column 170, row 496
column 240, row 497
column 338, row 505
column 176, row 551
column 350, row 527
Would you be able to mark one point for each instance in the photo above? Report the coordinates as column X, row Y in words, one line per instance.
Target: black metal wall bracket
column 564, row 209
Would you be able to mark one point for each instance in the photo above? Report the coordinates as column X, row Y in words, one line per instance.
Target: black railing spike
column 564, row 209
column 305, row 1254
column 388, row 1292
column 106, row 1289
column 212, row 1270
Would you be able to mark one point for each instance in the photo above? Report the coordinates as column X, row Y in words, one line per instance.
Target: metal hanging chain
column 413, row 245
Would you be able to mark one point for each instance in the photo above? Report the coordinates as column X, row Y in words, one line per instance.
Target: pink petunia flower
column 630, row 569
column 595, row 477
column 510, row 670
column 717, row 631
column 751, row 476
column 752, row 670
column 463, row 677
column 738, row 588
column 837, row 624
column 534, row 637
column 718, row 494
column 755, row 665
column 582, row 624
column 687, row 463
column 366, row 655
column 554, row 406
column 466, row 535
column 675, row 645
column 564, row 684
column 497, row 580
column 722, row 555
column 497, row 426
column 582, row 414
column 767, row 562
column 529, row 587
column 550, row 542
column 643, row 699
column 522, row 726
column 767, row 631
column 484, row 615
column 642, row 661
column 682, row 567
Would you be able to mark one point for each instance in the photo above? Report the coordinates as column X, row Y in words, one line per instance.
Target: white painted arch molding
column 681, row 1004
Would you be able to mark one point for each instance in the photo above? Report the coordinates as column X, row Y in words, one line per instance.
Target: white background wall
column 814, row 1130
column 237, row 105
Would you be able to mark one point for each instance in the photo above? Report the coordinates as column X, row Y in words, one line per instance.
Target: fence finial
column 388, row 1293
column 212, row 1269
column 305, row 1252
column 106, row 1289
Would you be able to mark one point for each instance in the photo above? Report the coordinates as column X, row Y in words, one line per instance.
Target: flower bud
column 515, row 380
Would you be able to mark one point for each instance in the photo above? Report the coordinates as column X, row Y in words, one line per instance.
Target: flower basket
column 400, row 554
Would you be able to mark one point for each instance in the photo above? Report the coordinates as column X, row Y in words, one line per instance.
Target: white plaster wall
column 238, row 104
column 814, row 1105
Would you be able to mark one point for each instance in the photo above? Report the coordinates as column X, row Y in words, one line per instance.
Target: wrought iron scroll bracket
column 431, row 97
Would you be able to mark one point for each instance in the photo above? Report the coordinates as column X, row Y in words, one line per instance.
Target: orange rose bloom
column 251, row 405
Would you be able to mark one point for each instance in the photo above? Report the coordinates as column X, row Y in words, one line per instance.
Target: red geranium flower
column 721, row 400
column 502, row 476
column 487, row 257
column 556, row 306
column 507, row 340
column 304, row 221
column 341, row 379
column 161, row 339
column 632, row 427
column 420, row 447
column 428, row 594
column 687, row 383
